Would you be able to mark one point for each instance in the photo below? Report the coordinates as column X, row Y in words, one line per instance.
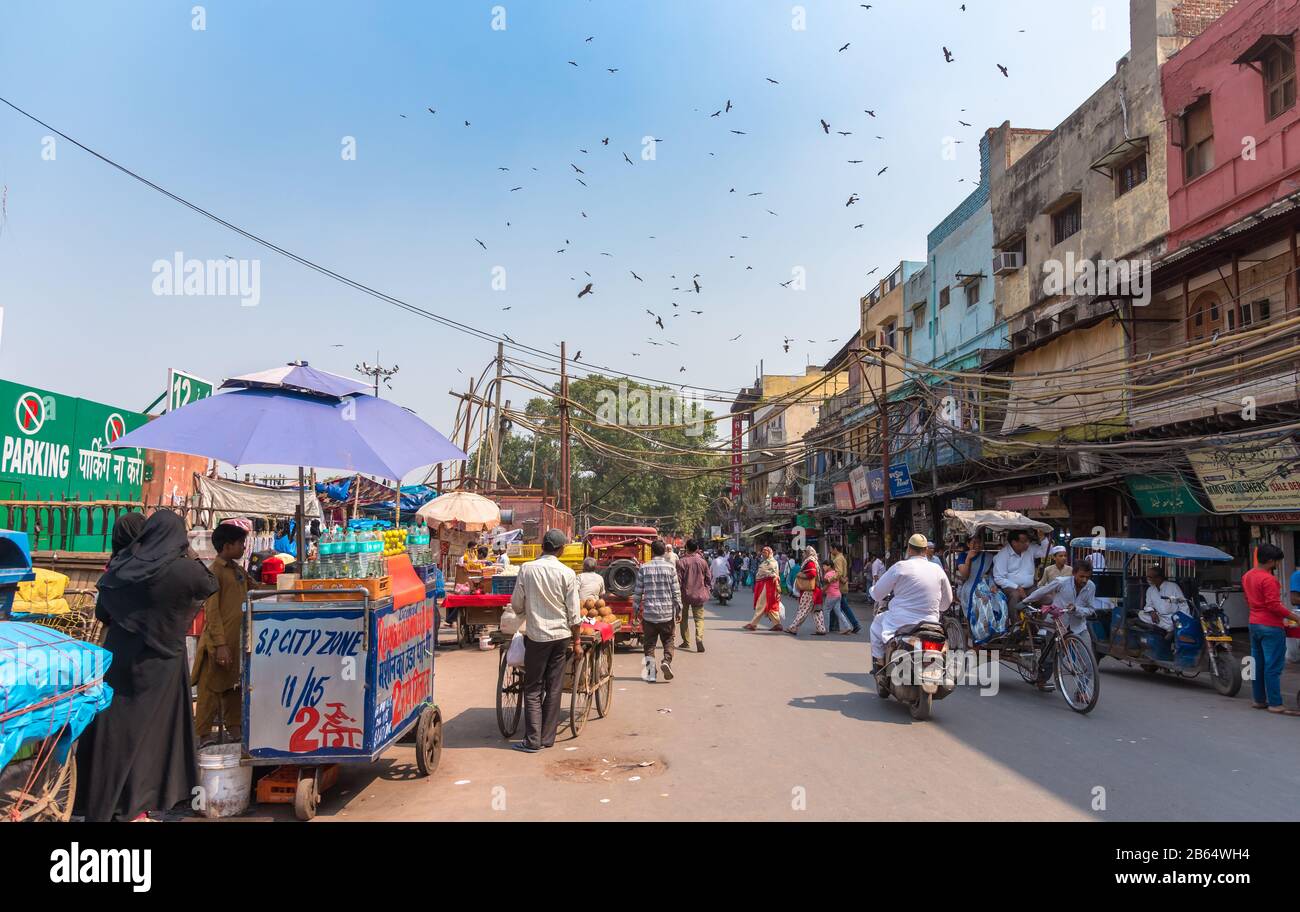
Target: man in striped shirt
column 657, row 600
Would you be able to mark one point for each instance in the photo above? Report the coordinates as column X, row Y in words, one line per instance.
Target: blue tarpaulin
column 50, row 686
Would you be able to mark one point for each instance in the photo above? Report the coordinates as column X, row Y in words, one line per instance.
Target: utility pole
column 565, row 492
column 884, row 442
column 469, row 411
column 496, row 419
column 377, row 371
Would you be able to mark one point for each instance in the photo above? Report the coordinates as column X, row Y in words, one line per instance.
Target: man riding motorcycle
column 920, row 592
column 720, row 570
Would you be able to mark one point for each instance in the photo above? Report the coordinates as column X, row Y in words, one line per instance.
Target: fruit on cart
column 600, row 603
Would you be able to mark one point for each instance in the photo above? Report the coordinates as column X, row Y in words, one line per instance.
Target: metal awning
column 1255, row 52
column 760, row 529
column 1121, row 154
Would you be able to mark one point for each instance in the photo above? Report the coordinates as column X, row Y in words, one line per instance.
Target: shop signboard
column 1163, row 495
column 843, row 496
column 900, row 483
column 859, row 486
column 737, row 455
column 782, row 504
column 1250, row 478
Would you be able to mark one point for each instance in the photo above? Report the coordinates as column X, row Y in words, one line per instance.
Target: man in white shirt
column 1077, row 597
column 671, row 554
column 1163, row 599
column 546, row 597
column 1098, row 561
column 1015, row 568
column 920, row 590
column 720, row 568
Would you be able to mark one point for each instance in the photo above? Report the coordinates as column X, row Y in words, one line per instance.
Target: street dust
column 606, row 769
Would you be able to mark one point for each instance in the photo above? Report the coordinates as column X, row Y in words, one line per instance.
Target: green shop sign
column 55, row 447
column 1163, row 495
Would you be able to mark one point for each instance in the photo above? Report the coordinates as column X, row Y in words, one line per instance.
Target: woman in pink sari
column 767, row 592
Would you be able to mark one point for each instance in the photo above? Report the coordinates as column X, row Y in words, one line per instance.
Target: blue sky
column 248, row 116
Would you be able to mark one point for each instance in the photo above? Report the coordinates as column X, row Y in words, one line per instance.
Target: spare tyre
column 620, row 577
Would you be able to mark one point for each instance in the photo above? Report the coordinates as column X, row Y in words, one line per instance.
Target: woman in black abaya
column 139, row 754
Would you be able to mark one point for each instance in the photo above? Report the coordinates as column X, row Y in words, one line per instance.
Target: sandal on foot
column 1283, row 711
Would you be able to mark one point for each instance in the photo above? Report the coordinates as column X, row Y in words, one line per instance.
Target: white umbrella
column 474, row 510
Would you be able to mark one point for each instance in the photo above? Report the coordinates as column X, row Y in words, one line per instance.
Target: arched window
column 1204, row 316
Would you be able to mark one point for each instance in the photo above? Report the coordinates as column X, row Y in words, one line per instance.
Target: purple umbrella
column 285, row 427
column 300, row 376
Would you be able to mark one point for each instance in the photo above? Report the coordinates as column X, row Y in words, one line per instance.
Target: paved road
column 765, row 727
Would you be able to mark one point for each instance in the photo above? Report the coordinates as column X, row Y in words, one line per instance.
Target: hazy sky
column 248, row 118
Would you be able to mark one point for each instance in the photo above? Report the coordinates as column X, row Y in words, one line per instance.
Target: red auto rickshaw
column 619, row 552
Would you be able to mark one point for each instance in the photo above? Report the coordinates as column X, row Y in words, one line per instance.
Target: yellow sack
column 43, row 607
column 47, row 586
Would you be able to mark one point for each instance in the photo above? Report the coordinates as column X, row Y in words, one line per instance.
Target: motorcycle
column 722, row 590
column 915, row 670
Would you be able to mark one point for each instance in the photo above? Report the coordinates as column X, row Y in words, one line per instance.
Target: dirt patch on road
column 606, row 769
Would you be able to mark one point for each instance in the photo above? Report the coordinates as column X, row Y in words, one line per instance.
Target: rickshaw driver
column 1163, row 599
column 1076, row 595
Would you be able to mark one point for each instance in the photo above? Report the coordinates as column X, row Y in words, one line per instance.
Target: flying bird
column 853, row 198
column 882, row 170
column 576, row 168
column 826, row 128
column 872, row 113
column 481, row 244
column 637, row 277
column 947, row 56
column 845, row 48
column 1004, row 70
column 728, row 107
column 586, row 291
column 737, row 338
column 626, row 159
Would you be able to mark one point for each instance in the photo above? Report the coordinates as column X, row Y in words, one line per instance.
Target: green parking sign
column 183, row 388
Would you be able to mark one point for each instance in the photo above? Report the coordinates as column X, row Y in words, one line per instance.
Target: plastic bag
column 515, row 654
column 987, row 612
column 509, row 621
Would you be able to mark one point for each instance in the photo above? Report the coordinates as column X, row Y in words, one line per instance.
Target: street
column 763, row 727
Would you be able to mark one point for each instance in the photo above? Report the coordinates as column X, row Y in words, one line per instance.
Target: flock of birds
column 694, row 286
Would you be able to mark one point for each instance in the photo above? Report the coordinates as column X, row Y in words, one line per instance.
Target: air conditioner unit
column 1005, row 261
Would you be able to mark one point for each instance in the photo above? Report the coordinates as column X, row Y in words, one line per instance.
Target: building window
column 1067, row 222
column 1129, row 175
column 944, row 298
column 972, row 293
column 890, row 332
column 1204, row 317
column 1248, row 314
column 1278, row 67
column 1198, row 140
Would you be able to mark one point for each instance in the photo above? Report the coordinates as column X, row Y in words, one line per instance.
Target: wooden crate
column 325, row 590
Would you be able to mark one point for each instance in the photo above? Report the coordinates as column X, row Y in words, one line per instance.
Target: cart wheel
column 428, row 740
column 306, row 797
column 510, row 697
column 59, row 790
column 580, row 692
column 605, row 674
column 1228, row 680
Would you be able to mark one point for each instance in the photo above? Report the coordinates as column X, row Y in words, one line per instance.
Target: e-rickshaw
column 1199, row 641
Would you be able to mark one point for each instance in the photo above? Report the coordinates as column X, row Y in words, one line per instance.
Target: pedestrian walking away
column 139, row 754
column 546, row 597
column 657, row 601
column 693, row 576
column 767, row 593
column 836, row 603
column 810, row 596
column 1268, row 618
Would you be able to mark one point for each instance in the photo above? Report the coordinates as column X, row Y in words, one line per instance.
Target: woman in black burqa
column 139, row 754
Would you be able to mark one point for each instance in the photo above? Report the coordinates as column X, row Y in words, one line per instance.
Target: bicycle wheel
column 605, row 674
column 580, row 691
column 1076, row 674
column 510, row 697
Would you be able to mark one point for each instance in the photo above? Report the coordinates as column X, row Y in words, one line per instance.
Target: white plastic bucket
column 226, row 784
column 485, row 642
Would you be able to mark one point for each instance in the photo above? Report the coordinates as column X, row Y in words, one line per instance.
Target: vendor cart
column 586, row 680
column 475, row 614
column 336, row 681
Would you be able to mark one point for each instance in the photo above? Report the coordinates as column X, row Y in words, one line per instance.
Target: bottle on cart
column 330, row 554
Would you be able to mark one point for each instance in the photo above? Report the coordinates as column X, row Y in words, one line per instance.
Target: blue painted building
column 952, row 321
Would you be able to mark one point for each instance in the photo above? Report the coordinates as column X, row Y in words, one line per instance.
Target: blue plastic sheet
column 51, row 685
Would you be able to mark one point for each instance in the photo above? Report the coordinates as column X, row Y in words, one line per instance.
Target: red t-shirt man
column 1264, row 596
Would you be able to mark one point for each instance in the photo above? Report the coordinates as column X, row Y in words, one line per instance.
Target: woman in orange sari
column 767, row 592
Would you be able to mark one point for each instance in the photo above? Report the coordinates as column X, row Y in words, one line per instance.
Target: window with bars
column 1067, row 221
column 944, row 298
column 1130, row 174
column 1278, row 67
column 1198, row 140
column 972, row 293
